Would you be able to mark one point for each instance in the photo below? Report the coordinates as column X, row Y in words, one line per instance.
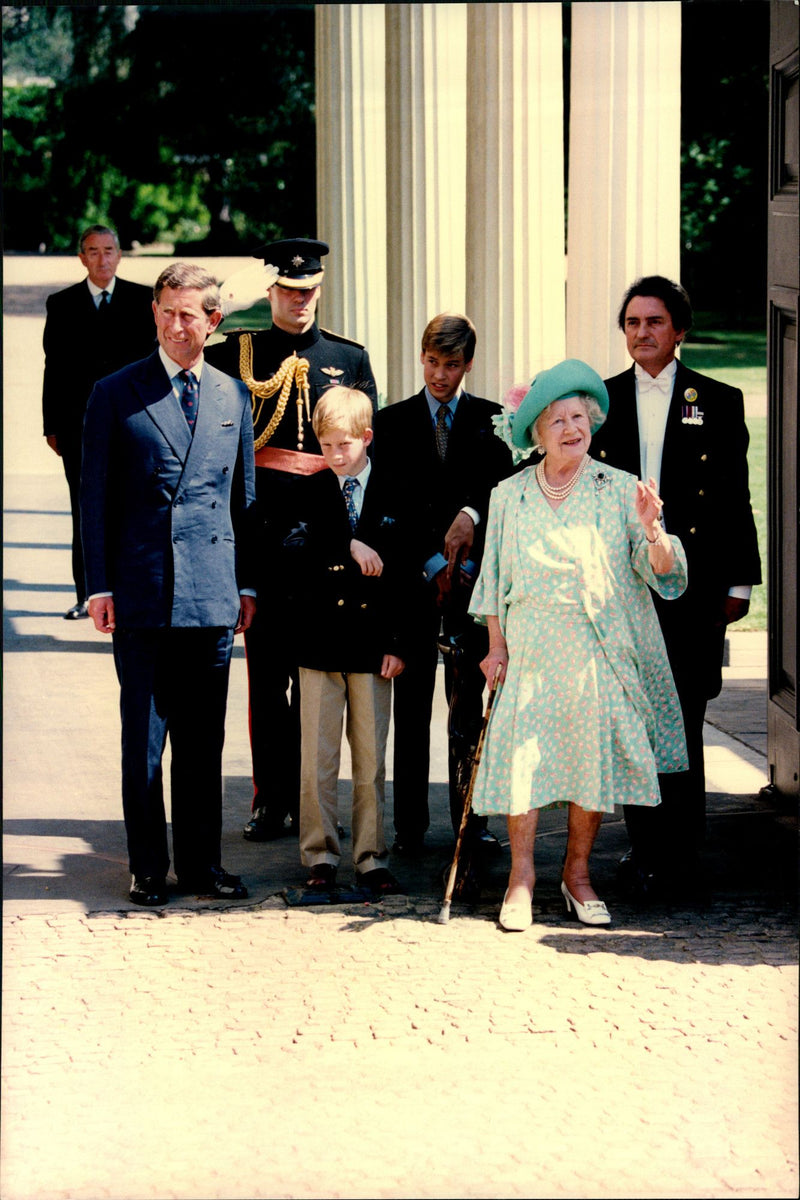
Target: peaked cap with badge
column 287, row 372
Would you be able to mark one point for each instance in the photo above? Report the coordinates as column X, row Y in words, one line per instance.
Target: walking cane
column 444, row 912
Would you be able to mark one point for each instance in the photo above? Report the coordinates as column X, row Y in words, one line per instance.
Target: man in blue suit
column 167, row 497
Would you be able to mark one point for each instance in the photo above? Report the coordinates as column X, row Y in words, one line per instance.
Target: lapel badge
column 227, row 425
column 334, row 371
column 690, row 413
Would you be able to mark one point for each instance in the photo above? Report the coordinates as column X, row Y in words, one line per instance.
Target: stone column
column 426, row 90
column 351, row 174
column 515, row 192
column 624, row 166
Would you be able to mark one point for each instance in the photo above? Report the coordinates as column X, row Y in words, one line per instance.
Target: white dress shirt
column 361, row 483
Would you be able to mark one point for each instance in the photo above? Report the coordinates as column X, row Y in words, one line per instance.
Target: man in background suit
column 167, row 496
column 447, row 475
column 92, row 328
column 688, row 432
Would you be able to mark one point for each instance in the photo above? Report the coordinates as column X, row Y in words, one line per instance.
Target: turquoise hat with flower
column 522, row 408
column 569, row 378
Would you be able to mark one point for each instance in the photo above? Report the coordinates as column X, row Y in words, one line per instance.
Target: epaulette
column 337, row 337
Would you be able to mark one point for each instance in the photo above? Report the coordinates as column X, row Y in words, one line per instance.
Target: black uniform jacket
column 331, row 359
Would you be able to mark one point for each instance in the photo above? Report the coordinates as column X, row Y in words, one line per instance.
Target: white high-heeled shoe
column 517, row 916
column 593, row 912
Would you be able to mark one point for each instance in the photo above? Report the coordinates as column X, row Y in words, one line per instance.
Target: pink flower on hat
column 515, row 395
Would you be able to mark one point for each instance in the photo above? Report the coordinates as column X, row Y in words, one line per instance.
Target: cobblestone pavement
column 363, row 1050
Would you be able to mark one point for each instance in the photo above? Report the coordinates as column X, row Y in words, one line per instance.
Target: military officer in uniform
column 286, row 368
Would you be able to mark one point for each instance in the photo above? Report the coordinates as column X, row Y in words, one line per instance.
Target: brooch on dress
column 600, row 479
column 690, row 413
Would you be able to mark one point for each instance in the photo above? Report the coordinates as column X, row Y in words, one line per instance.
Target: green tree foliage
column 183, row 123
column 724, row 163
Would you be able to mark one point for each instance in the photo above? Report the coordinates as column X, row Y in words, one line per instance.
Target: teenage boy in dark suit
column 440, row 447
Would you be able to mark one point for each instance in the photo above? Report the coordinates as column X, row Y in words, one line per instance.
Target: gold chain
column 292, row 370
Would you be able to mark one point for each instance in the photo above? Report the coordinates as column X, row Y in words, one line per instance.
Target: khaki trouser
column 325, row 697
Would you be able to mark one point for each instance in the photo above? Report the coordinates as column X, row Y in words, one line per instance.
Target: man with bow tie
column 688, row 432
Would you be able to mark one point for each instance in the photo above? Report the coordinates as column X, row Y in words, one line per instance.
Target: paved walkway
column 264, row 1050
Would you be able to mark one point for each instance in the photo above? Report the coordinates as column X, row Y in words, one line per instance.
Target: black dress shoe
column 380, row 882
column 263, row 826
column 215, row 882
column 641, row 880
column 77, row 611
column 407, row 845
column 487, row 840
column 148, row 890
column 322, row 877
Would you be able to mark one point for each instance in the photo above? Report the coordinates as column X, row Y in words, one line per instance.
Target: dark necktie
column 442, row 430
column 348, row 487
column 102, row 305
column 189, row 397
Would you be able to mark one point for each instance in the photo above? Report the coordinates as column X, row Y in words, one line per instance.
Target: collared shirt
column 361, row 481
column 653, row 396
column 96, row 292
column 174, row 369
column 451, row 405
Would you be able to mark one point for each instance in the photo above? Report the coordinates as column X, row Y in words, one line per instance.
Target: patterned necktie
column 189, row 397
column 442, row 430
column 348, row 487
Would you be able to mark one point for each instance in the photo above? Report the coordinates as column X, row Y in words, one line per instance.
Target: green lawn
column 740, row 359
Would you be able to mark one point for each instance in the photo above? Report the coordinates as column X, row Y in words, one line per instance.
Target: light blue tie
column 348, row 487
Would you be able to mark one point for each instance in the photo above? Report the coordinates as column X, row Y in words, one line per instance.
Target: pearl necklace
column 559, row 493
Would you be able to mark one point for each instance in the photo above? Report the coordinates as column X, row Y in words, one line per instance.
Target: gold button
column 693, row 530
column 340, row 603
column 602, row 454
column 703, row 457
column 701, row 492
column 363, row 606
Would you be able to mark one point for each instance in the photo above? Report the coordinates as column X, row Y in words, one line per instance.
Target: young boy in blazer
column 350, row 598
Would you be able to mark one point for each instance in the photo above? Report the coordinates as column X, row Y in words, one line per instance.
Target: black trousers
column 671, row 835
column 173, row 683
column 70, row 448
column 273, row 681
column 467, row 644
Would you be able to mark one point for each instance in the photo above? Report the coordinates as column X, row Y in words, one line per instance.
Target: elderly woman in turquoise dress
column 586, row 714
